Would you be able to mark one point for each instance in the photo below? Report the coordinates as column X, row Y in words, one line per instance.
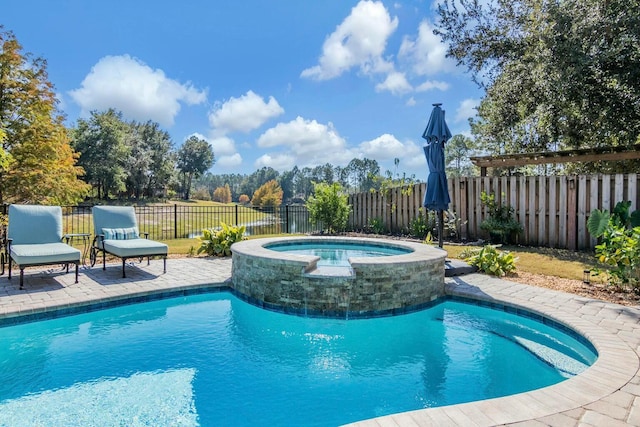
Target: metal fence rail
column 166, row 222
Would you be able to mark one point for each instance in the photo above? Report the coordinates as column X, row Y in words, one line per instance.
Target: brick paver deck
column 607, row 394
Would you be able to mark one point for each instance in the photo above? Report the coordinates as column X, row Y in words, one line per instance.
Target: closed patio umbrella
column 436, row 197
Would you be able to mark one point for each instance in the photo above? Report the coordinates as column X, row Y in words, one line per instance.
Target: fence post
column 286, row 218
column 237, row 216
column 175, row 220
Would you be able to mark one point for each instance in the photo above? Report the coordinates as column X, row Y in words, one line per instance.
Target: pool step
column 331, row 271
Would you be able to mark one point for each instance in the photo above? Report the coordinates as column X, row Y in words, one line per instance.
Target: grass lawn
column 550, row 262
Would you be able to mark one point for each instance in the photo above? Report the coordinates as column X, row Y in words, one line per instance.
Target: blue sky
column 267, row 83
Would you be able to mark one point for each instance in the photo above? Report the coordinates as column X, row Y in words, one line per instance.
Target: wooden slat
column 594, row 203
column 543, row 239
column 522, row 208
column 464, row 209
column 553, row 214
column 618, row 189
column 563, row 212
column 478, row 206
column 632, row 191
column 532, row 210
column 582, row 211
column 572, row 200
column 606, row 193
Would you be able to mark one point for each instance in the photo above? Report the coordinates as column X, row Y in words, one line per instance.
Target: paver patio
column 607, row 394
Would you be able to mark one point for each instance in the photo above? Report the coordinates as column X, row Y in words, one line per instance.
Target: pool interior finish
column 337, row 254
column 212, row 359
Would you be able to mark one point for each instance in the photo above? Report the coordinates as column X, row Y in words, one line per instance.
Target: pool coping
column 607, row 393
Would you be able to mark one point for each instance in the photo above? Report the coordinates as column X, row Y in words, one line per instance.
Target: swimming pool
column 214, row 360
column 337, row 253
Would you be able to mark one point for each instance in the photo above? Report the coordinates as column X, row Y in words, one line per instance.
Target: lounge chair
column 116, row 233
column 34, row 237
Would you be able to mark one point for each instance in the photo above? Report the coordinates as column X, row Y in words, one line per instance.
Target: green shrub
column 329, row 206
column 422, row 224
column 491, row 261
column 452, row 224
column 217, row 242
column 501, row 224
column 376, row 226
column 619, row 249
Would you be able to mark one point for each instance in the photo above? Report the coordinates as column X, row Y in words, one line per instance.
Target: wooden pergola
column 566, row 156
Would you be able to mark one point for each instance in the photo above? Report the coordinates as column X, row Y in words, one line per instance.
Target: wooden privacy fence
column 553, row 210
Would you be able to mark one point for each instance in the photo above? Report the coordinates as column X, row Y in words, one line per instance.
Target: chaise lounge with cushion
column 34, row 237
column 116, row 233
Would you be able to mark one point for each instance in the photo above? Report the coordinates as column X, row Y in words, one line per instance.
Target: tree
column 329, row 206
column 268, row 195
column 101, row 142
column 456, row 153
column 37, row 163
column 558, row 75
column 194, row 158
column 243, row 199
column 222, row 194
column 157, row 147
column 257, row 179
column 287, row 183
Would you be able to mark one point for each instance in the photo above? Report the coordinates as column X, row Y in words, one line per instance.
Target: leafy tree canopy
column 268, row 195
column 37, row 163
column 558, row 74
column 194, row 158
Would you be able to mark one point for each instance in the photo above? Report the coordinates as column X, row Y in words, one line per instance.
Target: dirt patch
column 593, row 290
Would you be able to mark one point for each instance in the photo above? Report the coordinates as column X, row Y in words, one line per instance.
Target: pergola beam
column 568, row 156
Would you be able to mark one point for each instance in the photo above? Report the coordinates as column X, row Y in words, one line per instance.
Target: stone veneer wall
column 291, row 283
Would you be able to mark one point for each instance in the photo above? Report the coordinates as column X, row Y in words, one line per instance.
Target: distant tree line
column 296, row 184
column 136, row 160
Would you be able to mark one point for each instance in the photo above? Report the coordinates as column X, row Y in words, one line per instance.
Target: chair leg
column 165, row 264
column 148, row 260
column 67, row 268
column 123, row 262
column 21, row 277
column 76, row 271
column 104, row 259
column 10, row 259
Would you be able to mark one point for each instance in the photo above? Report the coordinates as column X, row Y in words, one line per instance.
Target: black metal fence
column 165, row 222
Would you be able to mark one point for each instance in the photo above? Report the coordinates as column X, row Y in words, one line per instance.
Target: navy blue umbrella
column 436, row 197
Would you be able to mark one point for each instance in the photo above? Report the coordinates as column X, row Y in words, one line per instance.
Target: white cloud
column 387, row 147
column 432, row 84
column 231, row 161
column 414, row 157
column 396, row 83
column 383, row 147
column 132, row 87
column 359, row 41
column 411, row 102
column 466, row 110
column 307, row 142
column 279, row 162
column 222, row 146
column 244, row 114
column 426, row 55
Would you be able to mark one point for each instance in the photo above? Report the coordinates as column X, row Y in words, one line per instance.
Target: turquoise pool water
column 213, row 360
column 337, row 254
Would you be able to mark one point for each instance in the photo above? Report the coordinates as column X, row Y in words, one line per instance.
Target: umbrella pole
column 440, row 228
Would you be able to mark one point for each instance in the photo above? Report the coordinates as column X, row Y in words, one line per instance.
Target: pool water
column 214, row 360
column 337, row 254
